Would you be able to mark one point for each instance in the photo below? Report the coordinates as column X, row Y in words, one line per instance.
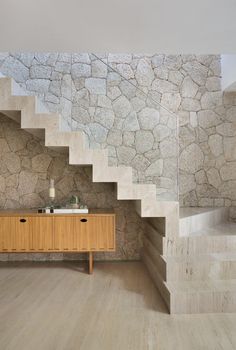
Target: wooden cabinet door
column 15, row 233
column 41, row 235
column 95, row 233
column 64, row 234
column 7, row 234
column 104, row 231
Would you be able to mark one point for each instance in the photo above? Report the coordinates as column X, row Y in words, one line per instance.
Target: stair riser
column 157, row 278
column 194, row 223
column 211, row 270
column 203, row 302
column 201, row 245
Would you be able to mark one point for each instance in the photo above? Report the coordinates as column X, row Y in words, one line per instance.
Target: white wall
column 146, row 26
column 228, row 72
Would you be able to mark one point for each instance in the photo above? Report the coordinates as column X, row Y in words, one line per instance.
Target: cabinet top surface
column 34, row 212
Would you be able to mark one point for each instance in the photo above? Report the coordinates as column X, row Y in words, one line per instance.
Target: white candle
column 52, row 192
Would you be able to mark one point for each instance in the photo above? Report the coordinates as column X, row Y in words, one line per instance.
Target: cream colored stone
column 190, row 153
column 41, row 162
column 213, row 177
column 216, row 144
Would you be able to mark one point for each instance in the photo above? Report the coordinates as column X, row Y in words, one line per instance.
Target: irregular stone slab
column 125, row 154
column 38, row 85
column 187, row 183
column 175, row 77
column 137, row 104
column 197, row 72
column 144, row 73
column 229, row 148
column 208, row 119
column 160, row 132
column 96, row 86
column 144, row 141
column 211, row 100
column 171, row 101
column 128, row 138
column 125, row 71
column 191, row 104
column 41, row 162
column 2, row 184
column 131, row 122
column 119, row 58
column 99, row 69
column 163, row 86
column 213, row 177
column 140, row 163
column 105, row 117
column 148, row 118
column 155, row 169
column 200, row 177
column 27, row 182
column 228, row 171
column 113, row 92
column 99, row 132
column 189, row 88
column 191, row 152
column 80, row 70
column 231, row 114
column 168, row 148
column 42, row 57
column 216, row 144
column 121, row 107
column 13, row 68
column 40, row 71
column 228, row 189
column 12, row 162
column 213, row 84
column 226, row 129
column 128, row 89
column 81, row 58
column 114, row 138
column 104, row 101
column 32, row 200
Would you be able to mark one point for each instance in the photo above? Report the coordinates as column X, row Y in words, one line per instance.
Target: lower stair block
column 202, row 297
column 218, row 266
column 198, row 245
column 157, row 278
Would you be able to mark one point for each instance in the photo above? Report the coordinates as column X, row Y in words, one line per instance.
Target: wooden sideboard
column 30, row 232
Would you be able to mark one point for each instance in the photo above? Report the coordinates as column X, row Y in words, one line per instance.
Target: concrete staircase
column 195, row 272
column 190, row 257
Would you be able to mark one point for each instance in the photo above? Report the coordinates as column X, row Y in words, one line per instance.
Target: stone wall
column 111, row 107
column 25, row 169
column 115, row 113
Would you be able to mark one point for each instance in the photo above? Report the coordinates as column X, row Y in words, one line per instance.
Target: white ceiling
column 146, row 26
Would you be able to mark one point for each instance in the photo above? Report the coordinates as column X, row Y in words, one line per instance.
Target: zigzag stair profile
column 33, row 117
column 190, row 257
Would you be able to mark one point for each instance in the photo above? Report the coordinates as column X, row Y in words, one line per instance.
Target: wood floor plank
column 58, row 306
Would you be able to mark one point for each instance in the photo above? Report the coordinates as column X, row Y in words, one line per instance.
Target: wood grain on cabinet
column 57, row 233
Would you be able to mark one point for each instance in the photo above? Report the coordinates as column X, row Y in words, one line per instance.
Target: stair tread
column 191, row 211
column 202, row 286
column 222, row 229
column 223, row 256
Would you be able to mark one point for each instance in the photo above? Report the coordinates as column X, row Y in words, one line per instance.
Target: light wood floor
column 58, row 306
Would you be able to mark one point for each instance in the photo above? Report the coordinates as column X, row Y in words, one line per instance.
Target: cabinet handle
column 22, row 220
column 83, row 220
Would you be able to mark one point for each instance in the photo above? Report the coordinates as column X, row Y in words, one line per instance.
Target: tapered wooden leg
column 90, row 263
